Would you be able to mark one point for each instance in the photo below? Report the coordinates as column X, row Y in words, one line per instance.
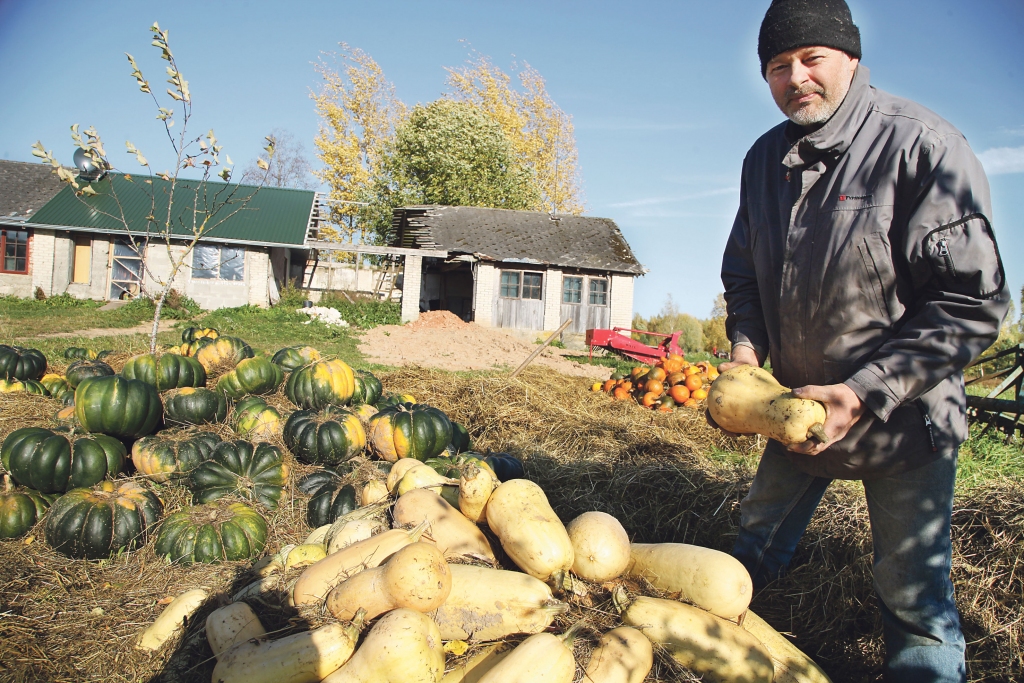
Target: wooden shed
column 522, row 270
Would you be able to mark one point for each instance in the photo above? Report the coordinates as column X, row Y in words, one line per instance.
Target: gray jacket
column 863, row 253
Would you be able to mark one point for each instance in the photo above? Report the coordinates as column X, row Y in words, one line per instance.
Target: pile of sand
column 440, row 339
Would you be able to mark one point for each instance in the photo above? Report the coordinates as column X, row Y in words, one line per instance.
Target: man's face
column 809, row 83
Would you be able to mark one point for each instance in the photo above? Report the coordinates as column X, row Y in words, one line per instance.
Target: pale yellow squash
column 475, row 487
column 318, row 535
column 420, row 477
column 305, row 657
column 600, row 546
column 534, row 538
column 749, row 400
column 304, row 555
column 318, row 579
column 398, row 471
column 171, row 620
column 541, row 658
column 416, row 577
column 708, row 578
column 791, row 664
column 347, row 533
column 404, row 646
column 490, row 604
column 372, row 492
column 709, row 645
column 473, row 668
column 231, row 625
column 258, row 587
column 623, row 655
column 447, row 527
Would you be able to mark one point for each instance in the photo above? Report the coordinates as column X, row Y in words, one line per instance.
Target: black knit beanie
column 790, row 24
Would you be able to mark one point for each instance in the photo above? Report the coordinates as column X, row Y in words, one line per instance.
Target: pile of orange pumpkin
column 668, row 384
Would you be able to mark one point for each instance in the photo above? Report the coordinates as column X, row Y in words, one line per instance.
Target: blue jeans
column 910, row 531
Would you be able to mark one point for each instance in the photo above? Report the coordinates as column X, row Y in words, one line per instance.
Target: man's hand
column 741, row 355
column 842, row 410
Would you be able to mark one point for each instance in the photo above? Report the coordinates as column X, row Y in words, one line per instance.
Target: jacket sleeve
column 960, row 294
column 744, row 322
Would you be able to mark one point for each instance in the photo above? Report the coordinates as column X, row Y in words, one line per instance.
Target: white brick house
column 520, row 270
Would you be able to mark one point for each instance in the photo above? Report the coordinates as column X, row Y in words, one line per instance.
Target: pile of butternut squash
column 431, row 574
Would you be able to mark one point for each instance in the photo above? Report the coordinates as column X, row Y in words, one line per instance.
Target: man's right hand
column 741, row 355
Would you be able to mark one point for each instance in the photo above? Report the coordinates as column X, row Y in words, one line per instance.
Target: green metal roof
column 239, row 213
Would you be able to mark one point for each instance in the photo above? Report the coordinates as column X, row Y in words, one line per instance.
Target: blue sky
column 666, row 96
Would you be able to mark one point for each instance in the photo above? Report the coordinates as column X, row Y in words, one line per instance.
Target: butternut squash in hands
column 404, row 646
column 748, row 400
column 416, row 577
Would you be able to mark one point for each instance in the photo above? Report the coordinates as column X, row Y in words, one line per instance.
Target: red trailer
column 631, row 348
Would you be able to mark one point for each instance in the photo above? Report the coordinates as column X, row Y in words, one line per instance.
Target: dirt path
column 144, row 328
column 439, row 339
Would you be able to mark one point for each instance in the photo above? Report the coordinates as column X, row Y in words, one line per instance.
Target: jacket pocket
column 876, row 257
column 964, row 257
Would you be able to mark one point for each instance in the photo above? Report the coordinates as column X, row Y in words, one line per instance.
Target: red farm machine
column 618, row 339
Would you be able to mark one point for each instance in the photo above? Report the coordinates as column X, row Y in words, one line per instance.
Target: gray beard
column 829, row 105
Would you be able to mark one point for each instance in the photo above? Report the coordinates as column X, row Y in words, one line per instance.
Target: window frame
column 3, row 251
column 521, row 287
column 216, row 271
column 578, row 291
column 591, row 292
column 539, row 287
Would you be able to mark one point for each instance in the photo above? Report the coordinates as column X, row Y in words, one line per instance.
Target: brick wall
column 411, row 280
column 483, row 296
column 257, row 271
column 552, row 299
column 41, row 261
column 621, row 314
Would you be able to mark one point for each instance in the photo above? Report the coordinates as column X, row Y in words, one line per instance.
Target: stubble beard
column 818, row 111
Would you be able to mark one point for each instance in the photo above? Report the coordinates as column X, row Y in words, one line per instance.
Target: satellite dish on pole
column 87, row 169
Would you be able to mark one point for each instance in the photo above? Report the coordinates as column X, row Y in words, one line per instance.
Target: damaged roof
column 530, row 237
column 25, row 188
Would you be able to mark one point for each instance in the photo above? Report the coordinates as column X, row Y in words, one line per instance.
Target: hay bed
column 66, row 620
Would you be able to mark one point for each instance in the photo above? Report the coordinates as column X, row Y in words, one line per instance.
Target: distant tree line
column 698, row 335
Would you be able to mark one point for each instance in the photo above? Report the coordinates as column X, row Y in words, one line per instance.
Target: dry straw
column 666, row 477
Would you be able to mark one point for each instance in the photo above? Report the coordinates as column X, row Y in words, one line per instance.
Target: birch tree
column 182, row 210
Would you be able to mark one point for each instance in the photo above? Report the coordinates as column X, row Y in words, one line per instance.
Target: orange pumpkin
column 675, row 378
column 671, row 365
column 692, row 370
column 694, row 382
column 712, row 373
column 654, row 386
column 700, row 394
column 637, row 371
column 627, row 385
column 620, row 394
column 657, row 373
column 690, row 403
column 679, row 393
column 649, row 399
column 609, row 385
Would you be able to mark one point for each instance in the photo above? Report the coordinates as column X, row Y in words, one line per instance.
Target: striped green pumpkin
column 409, row 431
column 121, row 407
column 212, row 533
column 52, row 462
column 326, row 438
column 237, row 468
column 96, row 523
column 321, row 384
column 169, row 371
column 251, row 376
column 194, row 406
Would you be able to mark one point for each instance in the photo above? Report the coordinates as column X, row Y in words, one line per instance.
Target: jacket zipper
column 948, row 257
column 931, row 434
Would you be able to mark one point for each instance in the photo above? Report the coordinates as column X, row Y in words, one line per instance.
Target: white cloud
column 999, row 160
column 652, row 201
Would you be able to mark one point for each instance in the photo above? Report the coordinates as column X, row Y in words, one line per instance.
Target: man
column 863, row 260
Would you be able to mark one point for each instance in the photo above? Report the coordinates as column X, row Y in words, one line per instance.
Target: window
column 14, row 245
column 531, row 285
column 81, row 264
column 598, row 292
column 213, row 262
column 572, row 290
column 509, row 285
column 126, row 269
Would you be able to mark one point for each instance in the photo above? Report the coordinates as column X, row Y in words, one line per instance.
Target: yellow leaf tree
column 540, row 132
column 358, row 113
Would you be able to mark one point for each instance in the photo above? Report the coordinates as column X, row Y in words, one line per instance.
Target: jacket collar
column 838, row 132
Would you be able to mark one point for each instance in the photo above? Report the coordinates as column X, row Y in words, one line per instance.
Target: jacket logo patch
column 844, row 197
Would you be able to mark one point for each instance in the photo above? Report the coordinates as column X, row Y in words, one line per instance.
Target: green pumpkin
column 20, row 510
column 81, row 370
column 194, row 406
column 222, row 352
column 169, row 371
column 26, row 385
column 52, row 462
column 17, row 362
column 394, row 400
column 326, row 438
column 55, row 384
column 292, row 358
column 121, row 407
column 409, row 431
column 212, row 533
column 251, row 376
column 254, row 420
column 79, row 353
column 172, row 453
column 368, row 388
column 320, row 384
column 237, row 468
column 191, row 334
column 460, row 442
column 96, row 523
column 331, row 497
